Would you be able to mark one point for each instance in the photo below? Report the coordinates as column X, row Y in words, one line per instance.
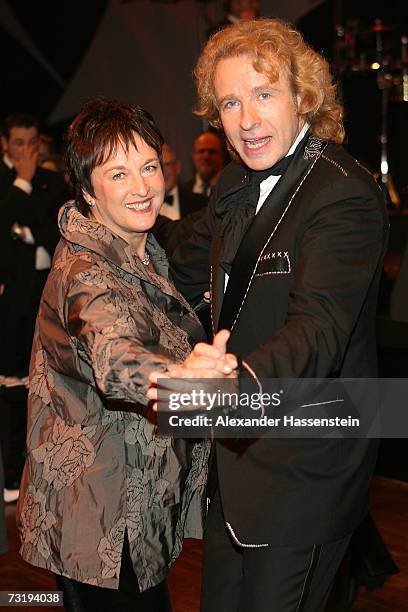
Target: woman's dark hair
column 95, row 134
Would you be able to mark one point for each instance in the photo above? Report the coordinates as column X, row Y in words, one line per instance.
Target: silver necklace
column 146, row 259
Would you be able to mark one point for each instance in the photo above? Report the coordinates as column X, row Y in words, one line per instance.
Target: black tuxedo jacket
column 169, row 233
column 300, row 303
column 190, row 202
column 188, row 186
column 39, row 212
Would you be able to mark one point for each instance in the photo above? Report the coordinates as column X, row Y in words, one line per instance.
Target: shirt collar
column 298, row 139
column 174, row 191
column 199, row 183
column 8, row 161
column 273, row 178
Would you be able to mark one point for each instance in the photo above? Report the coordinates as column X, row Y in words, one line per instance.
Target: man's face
column 171, row 168
column 208, row 155
column 260, row 119
column 22, row 141
column 245, row 9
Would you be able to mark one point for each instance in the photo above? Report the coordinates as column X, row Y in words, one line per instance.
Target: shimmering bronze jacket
column 95, row 466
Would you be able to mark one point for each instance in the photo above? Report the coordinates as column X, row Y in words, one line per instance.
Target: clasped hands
column 205, row 361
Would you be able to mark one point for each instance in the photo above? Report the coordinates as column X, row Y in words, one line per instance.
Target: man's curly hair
column 276, row 48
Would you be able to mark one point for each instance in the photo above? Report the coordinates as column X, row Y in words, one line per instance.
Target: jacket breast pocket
column 274, row 262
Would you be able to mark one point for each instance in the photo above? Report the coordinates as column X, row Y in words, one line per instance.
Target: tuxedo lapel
column 262, row 230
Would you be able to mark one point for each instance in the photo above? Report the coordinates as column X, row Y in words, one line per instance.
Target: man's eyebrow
column 227, row 97
column 265, row 86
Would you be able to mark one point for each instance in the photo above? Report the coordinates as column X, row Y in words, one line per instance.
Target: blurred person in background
column 236, row 11
column 178, row 201
column 46, row 147
column 30, row 197
column 208, row 159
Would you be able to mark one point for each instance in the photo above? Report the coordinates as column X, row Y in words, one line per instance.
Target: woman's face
column 129, row 191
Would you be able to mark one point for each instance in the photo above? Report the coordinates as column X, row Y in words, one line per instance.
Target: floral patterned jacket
column 95, row 469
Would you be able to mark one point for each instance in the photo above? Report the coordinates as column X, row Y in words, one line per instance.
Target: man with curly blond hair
column 291, row 245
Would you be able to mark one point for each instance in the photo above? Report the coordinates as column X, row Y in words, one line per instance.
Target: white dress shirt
column 172, row 211
column 269, row 183
column 201, row 187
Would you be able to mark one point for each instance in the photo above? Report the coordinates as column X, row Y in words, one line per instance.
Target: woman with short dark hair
column 105, row 501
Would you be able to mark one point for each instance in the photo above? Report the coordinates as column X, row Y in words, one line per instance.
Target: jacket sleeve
column 12, row 200
column 171, row 233
column 120, row 350
column 45, row 231
column 39, row 216
column 190, row 262
column 340, row 252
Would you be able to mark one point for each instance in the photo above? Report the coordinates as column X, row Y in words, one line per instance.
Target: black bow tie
column 169, row 199
column 277, row 169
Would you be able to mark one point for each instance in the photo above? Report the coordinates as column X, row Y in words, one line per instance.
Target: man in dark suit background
column 208, row 157
column 236, row 11
column 178, row 201
column 292, row 246
column 29, row 201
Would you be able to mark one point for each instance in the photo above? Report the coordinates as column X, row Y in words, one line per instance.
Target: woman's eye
column 150, row 169
column 118, row 176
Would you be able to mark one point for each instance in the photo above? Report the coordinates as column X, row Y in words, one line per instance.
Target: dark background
column 63, row 31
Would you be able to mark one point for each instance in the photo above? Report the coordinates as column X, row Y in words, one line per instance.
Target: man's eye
column 265, row 95
column 228, row 104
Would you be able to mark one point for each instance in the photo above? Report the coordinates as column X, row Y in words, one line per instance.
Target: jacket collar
column 262, row 231
column 7, row 162
column 236, row 177
column 88, row 234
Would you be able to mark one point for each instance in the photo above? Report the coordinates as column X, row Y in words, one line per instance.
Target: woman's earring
column 91, row 202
